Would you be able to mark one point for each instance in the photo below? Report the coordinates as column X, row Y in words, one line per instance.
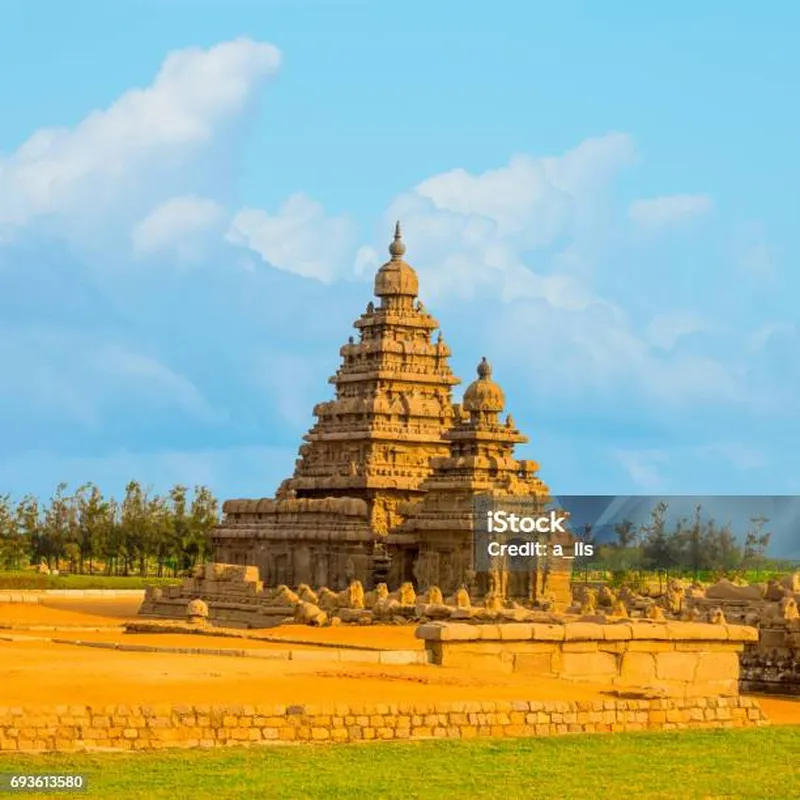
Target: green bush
column 28, row 580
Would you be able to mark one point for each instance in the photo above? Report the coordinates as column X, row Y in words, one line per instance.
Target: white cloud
column 658, row 213
column 741, row 456
column 753, row 253
column 149, row 145
column 300, row 238
column 77, row 376
column 468, row 234
column 644, row 467
column 666, row 329
column 182, row 225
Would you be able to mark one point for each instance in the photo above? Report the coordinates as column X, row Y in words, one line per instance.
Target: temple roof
column 396, row 277
column 484, row 395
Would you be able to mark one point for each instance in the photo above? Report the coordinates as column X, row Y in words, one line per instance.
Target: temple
column 384, row 484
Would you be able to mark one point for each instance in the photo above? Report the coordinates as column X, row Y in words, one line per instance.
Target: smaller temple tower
column 481, row 463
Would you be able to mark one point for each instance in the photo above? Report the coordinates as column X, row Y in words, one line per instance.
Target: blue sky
column 600, row 198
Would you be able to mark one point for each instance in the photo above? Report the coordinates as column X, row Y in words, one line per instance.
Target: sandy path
column 96, row 612
column 167, row 640
column 781, row 710
column 40, row 672
column 68, row 611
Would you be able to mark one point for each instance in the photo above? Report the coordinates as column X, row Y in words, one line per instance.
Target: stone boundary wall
column 676, row 659
column 135, row 727
column 39, row 595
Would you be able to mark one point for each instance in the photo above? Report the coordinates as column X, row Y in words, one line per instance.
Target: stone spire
column 397, row 248
column 396, row 282
column 484, row 398
column 480, row 462
column 393, row 401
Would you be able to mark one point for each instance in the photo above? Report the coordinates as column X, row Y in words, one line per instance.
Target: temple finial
column 484, row 369
column 397, row 249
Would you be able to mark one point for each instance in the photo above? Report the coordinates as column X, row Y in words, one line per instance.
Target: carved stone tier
column 385, row 478
column 373, row 444
column 481, row 463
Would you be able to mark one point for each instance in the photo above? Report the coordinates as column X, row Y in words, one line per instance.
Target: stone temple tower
column 368, row 452
column 386, row 476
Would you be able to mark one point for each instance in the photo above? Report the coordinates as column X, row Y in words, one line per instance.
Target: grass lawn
column 18, row 581
column 755, row 763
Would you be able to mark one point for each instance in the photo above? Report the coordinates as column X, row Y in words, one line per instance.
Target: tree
column 136, row 527
column 93, row 524
column 58, row 527
column 14, row 550
column 181, row 526
column 656, row 547
column 626, row 534
column 756, row 542
column 204, row 516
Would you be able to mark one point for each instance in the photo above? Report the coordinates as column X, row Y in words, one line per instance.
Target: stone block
column 515, row 631
column 654, row 631
column 741, row 633
column 534, row 664
column 698, row 631
column 638, row 668
column 717, row 667
column 595, row 665
column 617, row 632
column 676, row 666
column 583, row 631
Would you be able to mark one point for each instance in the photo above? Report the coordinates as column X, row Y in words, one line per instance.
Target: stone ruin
column 770, row 664
column 231, row 596
column 385, row 481
column 773, row 663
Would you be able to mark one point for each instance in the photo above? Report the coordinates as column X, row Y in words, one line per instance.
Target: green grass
column 17, row 581
column 755, row 763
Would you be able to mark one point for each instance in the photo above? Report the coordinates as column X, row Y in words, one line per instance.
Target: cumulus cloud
column 299, row 238
column 84, row 378
column 184, row 226
column 151, row 144
column 667, row 328
column 472, row 233
column 658, row 213
column 644, row 467
column 520, row 236
column 753, row 253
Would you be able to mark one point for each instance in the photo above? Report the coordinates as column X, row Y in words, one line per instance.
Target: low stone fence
column 70, row 728
column 675, row 659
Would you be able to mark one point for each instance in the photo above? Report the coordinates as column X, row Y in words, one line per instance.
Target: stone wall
column 136, row 727
column 675, row 659
column 235, row 597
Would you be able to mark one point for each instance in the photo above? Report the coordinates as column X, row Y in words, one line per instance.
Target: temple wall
column 676, row 659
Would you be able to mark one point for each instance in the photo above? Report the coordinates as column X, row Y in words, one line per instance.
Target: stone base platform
column 671, row 659
column 79, row 728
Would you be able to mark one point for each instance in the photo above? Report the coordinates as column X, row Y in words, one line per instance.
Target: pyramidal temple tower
column 480, row 463
column 384, row 484
column 368, row 452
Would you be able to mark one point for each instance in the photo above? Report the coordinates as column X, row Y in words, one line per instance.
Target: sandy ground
column 40, row 672
column 68, row 611
column 99, row 613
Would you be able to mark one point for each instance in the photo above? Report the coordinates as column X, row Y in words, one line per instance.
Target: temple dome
column 484, row 394
column 396, row 277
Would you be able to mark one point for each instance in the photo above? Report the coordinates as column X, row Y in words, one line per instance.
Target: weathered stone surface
column 381, row 489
